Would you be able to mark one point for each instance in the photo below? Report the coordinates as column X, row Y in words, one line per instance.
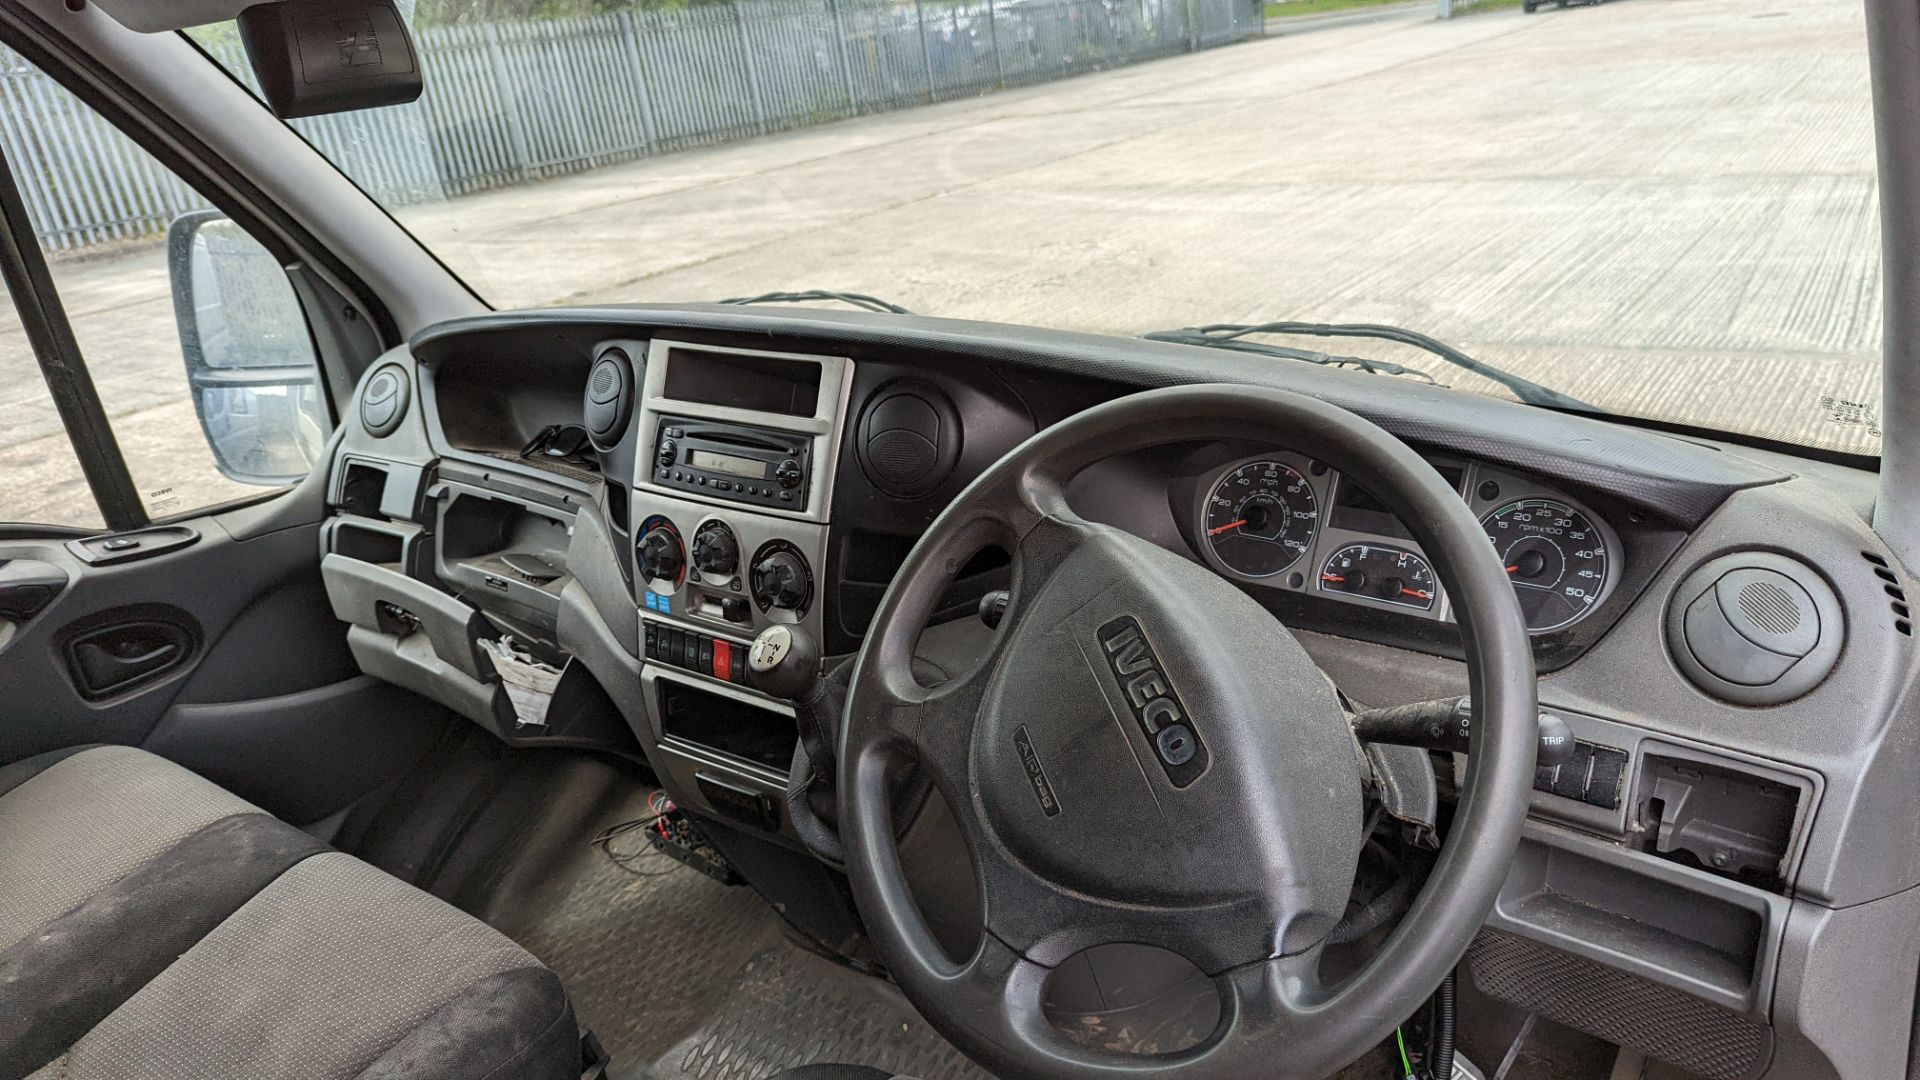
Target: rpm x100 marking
column 1556, row 559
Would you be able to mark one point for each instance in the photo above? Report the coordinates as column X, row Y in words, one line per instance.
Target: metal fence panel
column 517, row 102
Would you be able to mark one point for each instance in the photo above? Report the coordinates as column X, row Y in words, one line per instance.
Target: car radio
column 758, row 466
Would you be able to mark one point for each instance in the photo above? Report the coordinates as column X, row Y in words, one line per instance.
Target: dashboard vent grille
column 384, row 402
column 1769, row 606
column 1890, row 581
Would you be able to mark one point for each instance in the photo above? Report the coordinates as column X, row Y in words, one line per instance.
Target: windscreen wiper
column 1234, row 336
column 859, row 300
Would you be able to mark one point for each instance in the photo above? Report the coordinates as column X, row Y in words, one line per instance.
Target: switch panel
column 1593, row 775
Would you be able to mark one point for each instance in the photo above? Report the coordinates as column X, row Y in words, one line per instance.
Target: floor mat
column 683, row 978
column 790, row 1007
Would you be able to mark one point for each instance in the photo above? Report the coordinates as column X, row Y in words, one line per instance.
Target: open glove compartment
column 415, row 636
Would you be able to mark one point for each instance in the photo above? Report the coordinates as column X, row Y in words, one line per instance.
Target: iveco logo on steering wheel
column 1151, row 698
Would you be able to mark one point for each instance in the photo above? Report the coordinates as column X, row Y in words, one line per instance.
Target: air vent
column 1755, row 628
column 609, row 400
column 909, row 439
column 1902, row 616
column 384, row 402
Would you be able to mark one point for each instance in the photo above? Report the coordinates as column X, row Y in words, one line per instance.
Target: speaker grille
column 1656, row 1020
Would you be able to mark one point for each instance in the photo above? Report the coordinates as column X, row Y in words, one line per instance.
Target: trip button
column 723, row 485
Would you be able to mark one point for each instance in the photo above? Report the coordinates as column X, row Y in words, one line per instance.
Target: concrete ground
column 1659, row 206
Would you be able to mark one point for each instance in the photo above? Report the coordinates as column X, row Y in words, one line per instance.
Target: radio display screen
column 727, row 463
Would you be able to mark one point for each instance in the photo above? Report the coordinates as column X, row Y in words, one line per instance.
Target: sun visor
column 159, row 16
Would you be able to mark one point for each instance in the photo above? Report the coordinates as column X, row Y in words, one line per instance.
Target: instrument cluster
column 1284, row 520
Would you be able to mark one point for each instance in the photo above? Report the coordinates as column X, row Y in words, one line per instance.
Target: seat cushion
column 183, row 933
column 85, row 820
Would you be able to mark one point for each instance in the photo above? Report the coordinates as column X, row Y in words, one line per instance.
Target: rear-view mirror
column 328, row 56
column 250, row 359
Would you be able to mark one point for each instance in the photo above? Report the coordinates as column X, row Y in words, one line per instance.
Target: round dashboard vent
column 384, row 402
column 1755, row 628
column 609, row 400
column 909, row 439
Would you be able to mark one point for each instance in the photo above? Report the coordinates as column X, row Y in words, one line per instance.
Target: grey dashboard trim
column 823, row 427
column 1682, row 479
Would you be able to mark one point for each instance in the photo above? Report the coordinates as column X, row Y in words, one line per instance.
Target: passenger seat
column 155, row 925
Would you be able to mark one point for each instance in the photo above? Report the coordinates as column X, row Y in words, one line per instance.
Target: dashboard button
column 786, row 496
column 723, row 485
column 1603, row 783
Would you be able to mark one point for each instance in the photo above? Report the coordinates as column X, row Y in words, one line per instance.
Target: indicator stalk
column 1447, row 724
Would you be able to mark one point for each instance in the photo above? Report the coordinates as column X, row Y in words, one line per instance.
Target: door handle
column 115, row 658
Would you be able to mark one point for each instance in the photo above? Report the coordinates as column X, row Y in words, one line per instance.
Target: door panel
column 258, row 687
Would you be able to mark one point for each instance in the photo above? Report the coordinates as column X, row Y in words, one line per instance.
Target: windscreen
column 1658, row 208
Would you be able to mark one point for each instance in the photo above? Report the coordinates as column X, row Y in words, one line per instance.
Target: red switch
column 722, row 660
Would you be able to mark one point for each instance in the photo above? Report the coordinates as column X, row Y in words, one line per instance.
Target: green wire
column 1404, row 1063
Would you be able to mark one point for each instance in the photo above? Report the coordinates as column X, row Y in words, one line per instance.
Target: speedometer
column 1555, row 557
column 1261, row 518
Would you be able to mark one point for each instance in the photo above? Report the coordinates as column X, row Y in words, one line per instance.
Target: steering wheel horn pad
column 1126, row 669
column 1145, row 755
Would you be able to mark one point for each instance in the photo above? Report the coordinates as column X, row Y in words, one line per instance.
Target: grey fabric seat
column 155, row 925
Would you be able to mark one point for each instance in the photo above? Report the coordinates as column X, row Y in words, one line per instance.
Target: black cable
column 859, row 300
column 1219, row 334
column 1199, row 336
column 1443, row 1030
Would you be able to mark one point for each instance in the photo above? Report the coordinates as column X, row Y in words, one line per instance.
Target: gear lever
column 784, row 662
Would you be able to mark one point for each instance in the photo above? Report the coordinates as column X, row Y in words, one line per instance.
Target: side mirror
column 250, row 359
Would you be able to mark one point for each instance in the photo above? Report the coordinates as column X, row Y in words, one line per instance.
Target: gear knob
column 784, row 661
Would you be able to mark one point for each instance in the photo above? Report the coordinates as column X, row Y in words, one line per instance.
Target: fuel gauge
column 1379, row 572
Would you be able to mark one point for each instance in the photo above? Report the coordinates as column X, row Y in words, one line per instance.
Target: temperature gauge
column 1378, row 572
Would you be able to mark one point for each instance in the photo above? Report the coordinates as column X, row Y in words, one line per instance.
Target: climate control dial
column 781, row 579
column 662, row 557
column 716, row 552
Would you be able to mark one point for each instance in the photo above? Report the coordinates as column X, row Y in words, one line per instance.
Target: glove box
column 417, row 637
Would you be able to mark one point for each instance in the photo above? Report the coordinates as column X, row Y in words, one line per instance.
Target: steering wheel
column 1145, row 755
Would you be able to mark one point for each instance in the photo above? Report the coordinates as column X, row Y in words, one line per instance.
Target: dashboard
column 1716, row 625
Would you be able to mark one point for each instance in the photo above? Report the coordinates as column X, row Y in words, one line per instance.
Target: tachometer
column 1261, row 518
column 1555, row 557
column 1379, row 572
